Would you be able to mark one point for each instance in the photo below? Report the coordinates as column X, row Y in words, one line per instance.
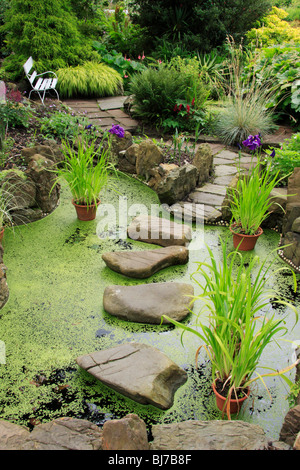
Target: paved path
column 104, row 112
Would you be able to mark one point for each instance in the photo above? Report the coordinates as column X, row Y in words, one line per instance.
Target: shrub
column 197, row 25
column 286, row 158
column 63, row 125
column 166, row 97
column 47, row 31
column 89, row 79
column 156, row 91
column 279, row 67
column 14, row 114
column 125, row 66
column 274, row 30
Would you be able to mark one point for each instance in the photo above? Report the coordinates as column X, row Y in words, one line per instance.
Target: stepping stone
column 146, row 303
column 228, row 155
column 212, row 189
column 206, row 198
column 159, row 231
column 196, row 212
column 224, row 170
column 138, row 371
column 143, row 264
column 115, row 102
column 223, row 180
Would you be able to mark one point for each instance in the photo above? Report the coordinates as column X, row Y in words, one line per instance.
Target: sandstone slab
column 159, row 231
column 138, row 371
column 143, row 264
column 208, row 435
column 128, row 433
column 60, row 434
column 146, row 303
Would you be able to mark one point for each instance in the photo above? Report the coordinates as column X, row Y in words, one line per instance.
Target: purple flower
column 253, row 142
column 273, row 153
column 117, row 130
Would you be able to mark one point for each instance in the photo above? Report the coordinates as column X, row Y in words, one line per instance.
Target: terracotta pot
column 84, row 213
column 245, row 242
column 234, row 405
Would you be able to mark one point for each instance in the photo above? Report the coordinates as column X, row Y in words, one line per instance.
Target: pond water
column 54, row 314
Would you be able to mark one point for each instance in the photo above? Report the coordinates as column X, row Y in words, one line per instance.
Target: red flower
column 180, row 106
column 193, row 101
column 175, row 107
column 188, row 108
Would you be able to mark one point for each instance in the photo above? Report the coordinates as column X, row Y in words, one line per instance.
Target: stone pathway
column 104, row 112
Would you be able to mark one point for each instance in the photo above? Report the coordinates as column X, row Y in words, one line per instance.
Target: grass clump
column 90, row 79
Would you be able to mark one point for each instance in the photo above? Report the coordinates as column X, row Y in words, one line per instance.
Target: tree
column 47, row 31
column 199, row 24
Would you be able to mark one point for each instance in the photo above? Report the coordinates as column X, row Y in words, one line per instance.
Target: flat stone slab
column 227, row 154
column 114, row 102
column 196, row 212
column 159, row 231
column 143, row 264
column 206, row 198
column 212, row 189
column 224, row 170
column 146, row 303
column 138, row 371
column 60, row 434
column 208, row 435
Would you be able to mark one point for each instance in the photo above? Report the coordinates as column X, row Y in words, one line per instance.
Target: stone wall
column 31, row 197
column 291, row 223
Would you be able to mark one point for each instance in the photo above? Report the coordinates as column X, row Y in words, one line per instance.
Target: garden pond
column 56, row 277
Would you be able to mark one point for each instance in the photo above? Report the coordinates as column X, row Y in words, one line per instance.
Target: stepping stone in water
column 146, row 303
column 138, row 371
column 159, row 231
column 143, row 264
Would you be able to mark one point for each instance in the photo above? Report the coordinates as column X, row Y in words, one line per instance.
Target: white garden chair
column 42, row 84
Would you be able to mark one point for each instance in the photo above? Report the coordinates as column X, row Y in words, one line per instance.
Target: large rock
column 208, row 435
column 203, row 161
column 143, row 264
column 146, row 303
column 128, row 433
column 12, row 436
column 127, row 159
column 148, row 156
column 159, row 231
column 22, row 191
column 173, row 183
column 40, row 170
column 50, row 149
column 60, row 434
column 291, row 426
column 137, row 371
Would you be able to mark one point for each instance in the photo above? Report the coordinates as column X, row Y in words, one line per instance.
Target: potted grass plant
column 251, row 200
column 237, row 332
column 86, row 170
